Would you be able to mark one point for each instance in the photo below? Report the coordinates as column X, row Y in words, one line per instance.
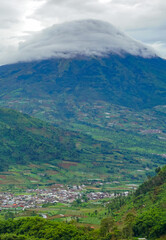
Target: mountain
column 68, row 62
column 114, row 92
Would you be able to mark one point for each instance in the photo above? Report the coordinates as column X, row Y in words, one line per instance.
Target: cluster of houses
column 34, row 198
column 37, row 197
column 102, row 195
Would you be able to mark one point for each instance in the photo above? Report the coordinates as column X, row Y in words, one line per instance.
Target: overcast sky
column 144, row 20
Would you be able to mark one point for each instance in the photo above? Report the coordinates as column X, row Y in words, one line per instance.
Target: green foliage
column 107, row 226
column 117, row 202
column 9, row 215
column 151, row 223
column 128, row 228
column 152, row 182
column 38, row 228
column 148, row 202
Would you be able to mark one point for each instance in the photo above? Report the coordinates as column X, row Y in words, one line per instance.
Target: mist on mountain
column 84, row 37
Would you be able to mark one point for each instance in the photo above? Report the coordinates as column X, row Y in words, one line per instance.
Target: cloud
column 126, row 14
column 160, row 48
column 84, row 37
column 142, row 19
column 15, row 23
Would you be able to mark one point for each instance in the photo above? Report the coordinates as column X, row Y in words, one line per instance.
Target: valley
column 117, row 136
column 78, row 206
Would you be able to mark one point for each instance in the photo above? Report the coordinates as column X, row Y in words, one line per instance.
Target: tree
column 129, row 222
column 107, row 225
column 9, row 215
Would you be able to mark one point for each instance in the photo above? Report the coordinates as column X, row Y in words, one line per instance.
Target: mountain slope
column 70, row 61
column 129, row 81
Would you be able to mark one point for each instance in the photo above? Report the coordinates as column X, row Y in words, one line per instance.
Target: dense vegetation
column 128, row 81
column 25, row 140
column 150, row 200
column 144, row 212
column 38, row 228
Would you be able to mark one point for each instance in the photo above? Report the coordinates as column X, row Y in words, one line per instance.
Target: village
column 35, row 198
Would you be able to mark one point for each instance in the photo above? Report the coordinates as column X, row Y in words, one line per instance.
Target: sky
column 144, row 20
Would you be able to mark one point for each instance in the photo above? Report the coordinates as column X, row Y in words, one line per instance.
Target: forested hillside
column 143, row 213
column 25, row 140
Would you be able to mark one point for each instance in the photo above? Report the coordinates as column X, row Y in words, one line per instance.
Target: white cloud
column 85, row 37
column 143, row 19
column 160, row 48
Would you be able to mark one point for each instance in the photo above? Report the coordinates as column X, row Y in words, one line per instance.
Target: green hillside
column 143, row 214
column 25, row 140
column 34, row 151
column 151, row 221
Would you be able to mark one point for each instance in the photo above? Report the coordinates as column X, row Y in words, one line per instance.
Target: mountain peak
column 83, row 37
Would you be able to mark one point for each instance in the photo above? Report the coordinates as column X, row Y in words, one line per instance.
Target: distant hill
column 25, row 140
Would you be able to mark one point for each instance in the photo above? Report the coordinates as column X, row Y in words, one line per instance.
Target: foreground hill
column 143, row 213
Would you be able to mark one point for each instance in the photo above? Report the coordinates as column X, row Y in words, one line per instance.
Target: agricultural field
column 99, row 142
